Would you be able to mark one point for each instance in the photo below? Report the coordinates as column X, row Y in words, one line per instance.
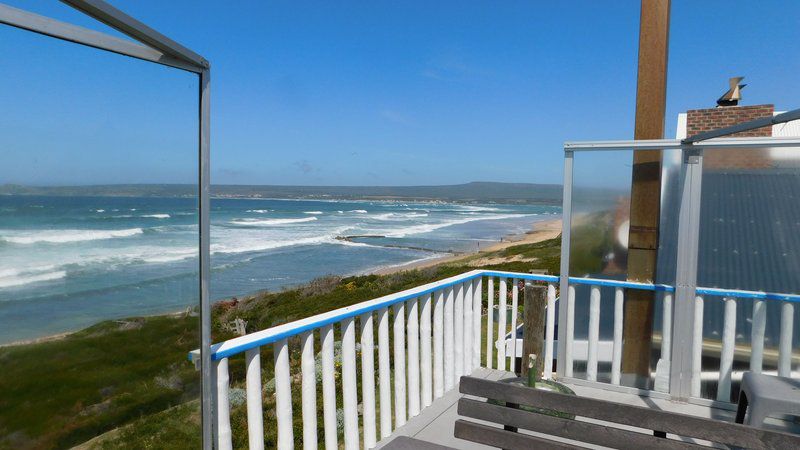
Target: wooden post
column 651, row 91
column 533, row 328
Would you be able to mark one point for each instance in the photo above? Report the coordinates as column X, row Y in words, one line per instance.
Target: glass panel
column 599, row 245
column 599, row 236
column 749, row 240
column 98, row 247
column 600, row 214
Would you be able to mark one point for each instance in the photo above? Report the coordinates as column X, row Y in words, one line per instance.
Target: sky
column 373, row 93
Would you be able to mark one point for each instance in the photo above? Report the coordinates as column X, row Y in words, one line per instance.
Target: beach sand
column 541, row 231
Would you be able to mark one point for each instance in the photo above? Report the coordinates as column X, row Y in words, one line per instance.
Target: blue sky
column 363, row 93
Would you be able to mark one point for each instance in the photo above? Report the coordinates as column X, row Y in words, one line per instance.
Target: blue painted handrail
column 735, row 293
column 243, row 343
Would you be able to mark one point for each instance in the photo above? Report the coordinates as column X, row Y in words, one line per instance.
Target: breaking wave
column 269, row 222
column 428, row 227
column 64, row 236
column 12, row 278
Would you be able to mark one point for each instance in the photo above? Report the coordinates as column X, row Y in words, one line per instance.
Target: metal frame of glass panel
column 158, row 48
column 688, row 231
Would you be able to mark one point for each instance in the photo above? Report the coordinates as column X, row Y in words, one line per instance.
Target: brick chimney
column 699, row 120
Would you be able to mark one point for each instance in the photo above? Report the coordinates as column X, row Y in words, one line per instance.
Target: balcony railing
column 436, row 337
column 436, row 333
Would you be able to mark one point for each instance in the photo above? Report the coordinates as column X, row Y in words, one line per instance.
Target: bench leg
column 507, row 427
column 742, row 408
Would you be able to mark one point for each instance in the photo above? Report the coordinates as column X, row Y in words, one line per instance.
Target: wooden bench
column 585, row 432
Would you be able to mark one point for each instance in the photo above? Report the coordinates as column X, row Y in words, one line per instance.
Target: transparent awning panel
column 98, row 243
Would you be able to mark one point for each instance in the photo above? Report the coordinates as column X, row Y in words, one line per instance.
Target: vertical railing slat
column 570, row 332
column 666, row 327
column 697, row 346
column 594, row 333
column 785, row 344
column 757, row 336
column 550, row 330
column 255, row 407
column 399, row 335
column 349, row 384
column 224, row 436
column 728, row 345
column 458, row 332
column 413, row 357
column 438, row 344
column 616, row 356
column 384, row 372
column 328, row 387
column 449, row 345
column 501, row 325
column 283, row 395
column 514, row 307
column 468, row 301
column 490, row 340
column 308, row 392
column 477, row 304
column 426, row 361
column 368, row 380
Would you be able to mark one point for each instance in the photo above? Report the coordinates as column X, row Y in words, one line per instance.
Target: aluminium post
column 204, row 209
column 566, row 223
column 680, row 380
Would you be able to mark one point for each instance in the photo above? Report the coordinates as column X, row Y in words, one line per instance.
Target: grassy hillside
column 131, row 378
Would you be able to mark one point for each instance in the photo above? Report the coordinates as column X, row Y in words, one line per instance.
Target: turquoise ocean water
column 66, row 263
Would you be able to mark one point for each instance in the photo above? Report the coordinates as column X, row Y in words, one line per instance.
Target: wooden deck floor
column 435, row 424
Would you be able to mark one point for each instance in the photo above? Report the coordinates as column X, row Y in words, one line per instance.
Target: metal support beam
column 60, row 30
column 721, row 144
column 566, row 224
column 204, row 207
column 680, row 380
column 113, row 17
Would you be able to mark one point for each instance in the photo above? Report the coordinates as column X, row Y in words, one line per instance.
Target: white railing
column 726, row 373
column 593, row 343
column 437, row 335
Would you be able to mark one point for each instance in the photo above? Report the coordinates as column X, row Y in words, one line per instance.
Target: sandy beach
column 541, row 231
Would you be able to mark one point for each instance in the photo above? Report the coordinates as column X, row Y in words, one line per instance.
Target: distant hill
column 549, row 194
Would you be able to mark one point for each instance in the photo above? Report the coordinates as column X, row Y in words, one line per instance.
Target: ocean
column 69, row 262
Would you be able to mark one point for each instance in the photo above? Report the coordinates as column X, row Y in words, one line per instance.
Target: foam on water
column 399, row 216
column 157, row 216
column 64, row 236
column 428, row 227
column 270, row 222
column 14, row 277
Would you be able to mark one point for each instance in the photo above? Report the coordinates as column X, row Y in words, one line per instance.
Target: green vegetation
column 130, row 379
column 60, row 393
